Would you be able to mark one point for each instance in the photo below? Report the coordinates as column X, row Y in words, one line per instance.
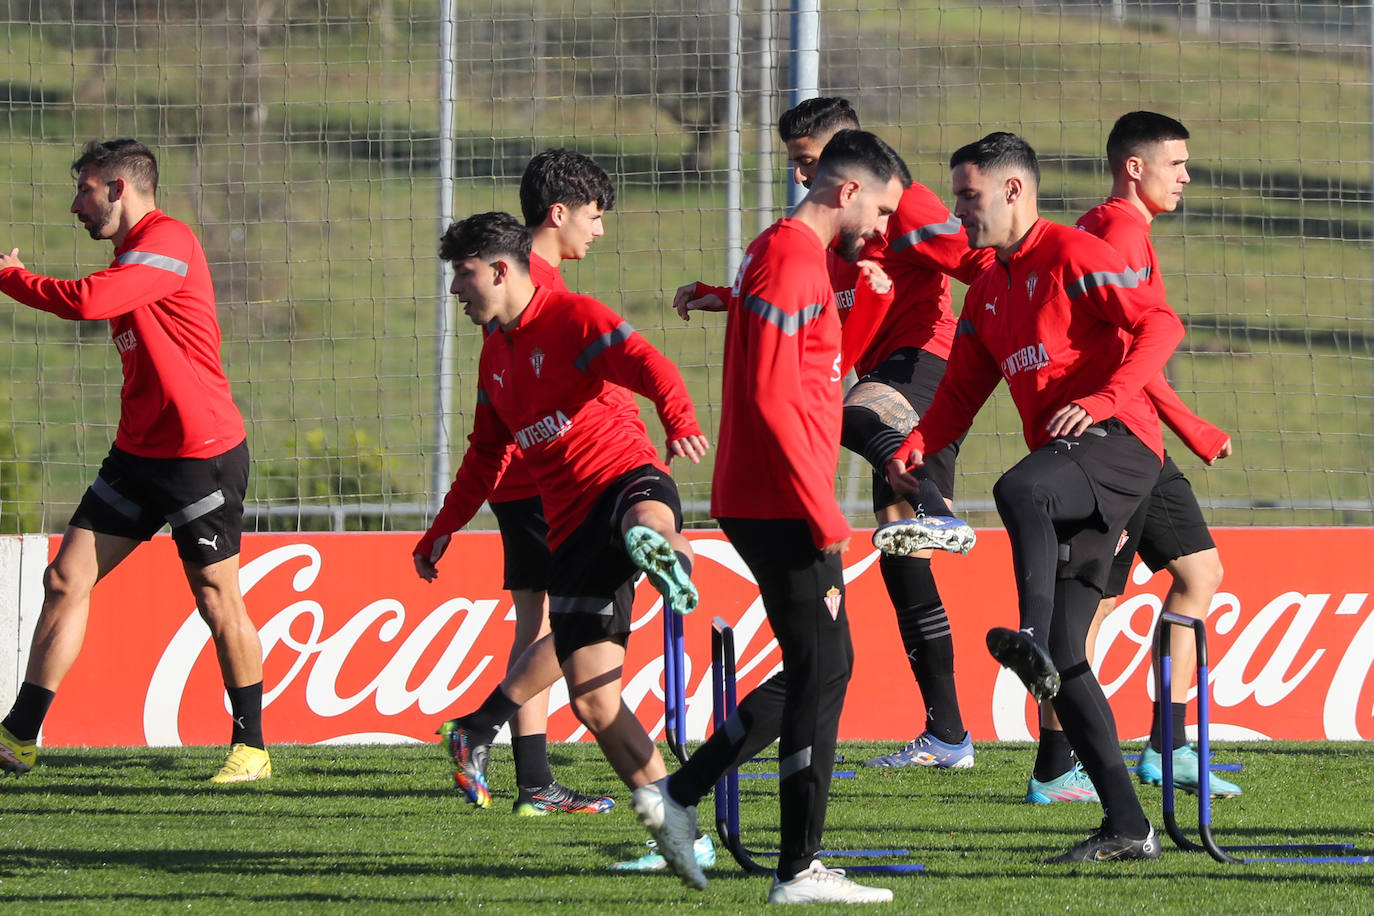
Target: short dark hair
column 487, row 236
column 813, row 117
column 1136, row 130
column 858, row 149
column 130, row 157
column 562, row 176
column 998, row 150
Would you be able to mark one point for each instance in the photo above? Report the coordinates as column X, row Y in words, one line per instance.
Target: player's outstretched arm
column 1224, row 452
column 686, row 300
column 1202, row 438
column 836, row 547
column 11, row 260
column 483, row 463
column 873, row 296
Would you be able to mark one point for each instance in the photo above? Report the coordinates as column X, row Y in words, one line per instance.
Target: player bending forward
column 773, row 493
column 1148, row 155
column 1048, row 318
column 555, row 376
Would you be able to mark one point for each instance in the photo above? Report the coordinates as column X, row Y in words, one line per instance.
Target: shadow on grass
column 337, row 864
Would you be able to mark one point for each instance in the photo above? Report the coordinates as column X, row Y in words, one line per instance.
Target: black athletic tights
column 1084, row 712
column 799, row 707
column 1043, row 488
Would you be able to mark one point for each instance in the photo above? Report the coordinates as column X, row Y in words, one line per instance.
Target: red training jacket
column 1049, row 322
column 924, row 246
column 780, row 405
column 1120, row 224
column 516, row 482
column 558, row 384
column 160, row 302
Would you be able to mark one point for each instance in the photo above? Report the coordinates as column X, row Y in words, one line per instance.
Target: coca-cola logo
column 357, row 648
column 1270, row 656
column 318, row 659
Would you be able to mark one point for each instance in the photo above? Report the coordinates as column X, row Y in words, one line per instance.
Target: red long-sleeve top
column 781, row 400
column 1050, row 322
column 160, row 302
column 923, row 247
column 1120, row 224
column 516, row 481
column 558, row 384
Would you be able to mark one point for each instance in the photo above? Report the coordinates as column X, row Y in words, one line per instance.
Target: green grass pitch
column 381, row 829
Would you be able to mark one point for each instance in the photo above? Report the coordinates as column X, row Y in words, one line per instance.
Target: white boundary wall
column 22, row 561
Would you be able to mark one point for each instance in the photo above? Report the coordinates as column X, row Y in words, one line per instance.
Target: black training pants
column 803, row 596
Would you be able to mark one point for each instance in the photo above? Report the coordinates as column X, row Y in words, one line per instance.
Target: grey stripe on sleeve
column 160, row 261
column 918, row 235
column 1127, row 279
column 603, row 343
column 788, row 324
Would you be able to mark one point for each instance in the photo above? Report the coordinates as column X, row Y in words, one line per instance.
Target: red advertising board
column 358, row 648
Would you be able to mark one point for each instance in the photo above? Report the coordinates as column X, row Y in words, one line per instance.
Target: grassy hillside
column 311, row 177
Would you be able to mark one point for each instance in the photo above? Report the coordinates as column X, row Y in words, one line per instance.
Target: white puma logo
column 498, row 377
column 209, row 542
column 988, row 306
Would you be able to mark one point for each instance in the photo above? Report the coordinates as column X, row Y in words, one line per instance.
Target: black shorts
column 524, row 543
column 201, row 498
column 1168, row 525
column 1121, row 471
column 591, row 577
column 915, row 374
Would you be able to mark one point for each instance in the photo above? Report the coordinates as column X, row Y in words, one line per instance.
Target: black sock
column 929, row 500
column 1054, row 757
column 866, row 433
column 531, row 753
column 1085, row 714
column 1088, row 720
column 924, row 627
column 1179, row 711
column 245, row 703
column 1156, row 733
column 30, row 708
column 1179, row 714
column 484, row 722
column 756, row 724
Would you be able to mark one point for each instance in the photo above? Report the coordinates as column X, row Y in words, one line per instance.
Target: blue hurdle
column 723, row 699
column 674, row 684
column 1209, row 844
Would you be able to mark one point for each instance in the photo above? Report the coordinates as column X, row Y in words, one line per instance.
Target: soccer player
column 773, row 494
column 896, row 334
column 563, row 195
column 1148, row 156
column 555, row 376
column 1048, row 317
column 179, row 456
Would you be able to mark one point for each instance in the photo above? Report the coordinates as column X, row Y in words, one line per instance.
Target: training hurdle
column 674, row 684
column 723, row 700
column 1167, row 622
